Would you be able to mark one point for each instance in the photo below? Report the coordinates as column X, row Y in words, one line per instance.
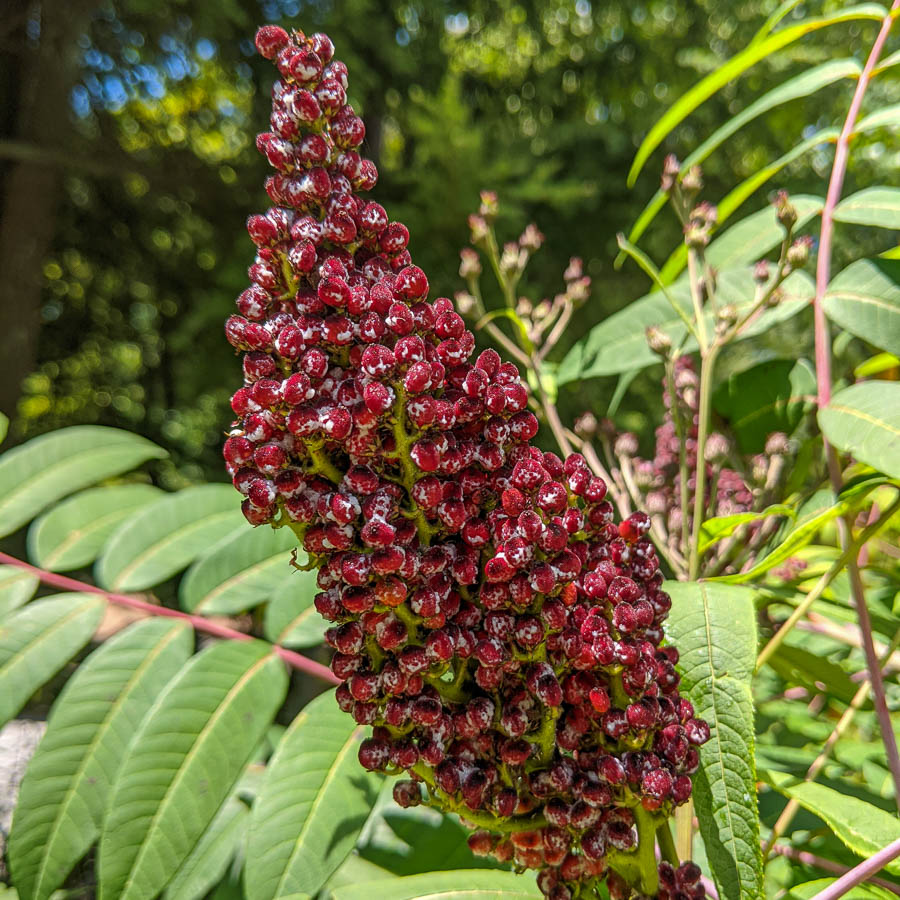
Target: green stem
column 545, row 737
column 404, row 442
column 483, row 819
column 321, row 464
column 707, row 368
column 646, row 850
column 667, row 843
column 449, row 690
column 695, row 282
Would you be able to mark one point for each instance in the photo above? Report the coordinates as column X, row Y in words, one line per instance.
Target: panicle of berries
column 497, row 629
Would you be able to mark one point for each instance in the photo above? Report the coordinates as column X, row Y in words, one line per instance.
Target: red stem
column 826, row 865
column 862, row 872
column 823, row 383
column 295, row 660
column 835, row 186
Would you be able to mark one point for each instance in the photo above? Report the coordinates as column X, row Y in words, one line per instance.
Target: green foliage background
column 132, row 246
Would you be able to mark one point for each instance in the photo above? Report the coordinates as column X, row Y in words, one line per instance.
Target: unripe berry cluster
column 490, row 621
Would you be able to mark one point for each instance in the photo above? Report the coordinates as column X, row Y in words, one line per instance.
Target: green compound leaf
column 862, row 827
column 38, row 640
column 864, row 420
column 165, row 537
column 619, row 343
column 184, row 760
column 209, row 860
column 64, row 793
column 735, row 67
column 714, row 530
column 714, row 628
column 17, row 587
column 876, row 206
column 772, row 396
column 54, row 465
column 864, row 299
column 471, row 884
column 72, row 534
column 314, row 801
column 240, row 572
column 291, row 618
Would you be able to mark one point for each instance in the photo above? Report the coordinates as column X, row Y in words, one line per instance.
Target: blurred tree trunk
column 38, row 56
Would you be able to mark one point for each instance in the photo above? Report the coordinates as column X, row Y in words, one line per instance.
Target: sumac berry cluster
column 490, row 621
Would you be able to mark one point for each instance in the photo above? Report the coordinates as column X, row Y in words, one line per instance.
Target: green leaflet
column 619, row 343
column 772, row 396
column 714, row 530
column 313, row 803
column 810, row 520
column 38, row 640
column 876, row 206
column 72, row 533
column 183, row 762
column 415, row 840
column 714, row 628
column 164, row 537
column 240, row 572
column 64, row 793
column 729, row 250
column 803, row 85
column 735, row 67
column 208, row 861
column 864, row 828
column 810, row 889
column 17, row 587
column 46, row 468
column 291, row 618
column 864, row 420
column 798, row 666
column 864, row 299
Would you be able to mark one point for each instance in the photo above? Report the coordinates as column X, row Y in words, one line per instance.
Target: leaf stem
column 294, row 660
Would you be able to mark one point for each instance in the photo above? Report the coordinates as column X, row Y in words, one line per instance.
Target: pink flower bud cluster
column 500, row 633
column 659, row 478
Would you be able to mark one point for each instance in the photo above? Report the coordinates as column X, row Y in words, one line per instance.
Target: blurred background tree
column 128, row 168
